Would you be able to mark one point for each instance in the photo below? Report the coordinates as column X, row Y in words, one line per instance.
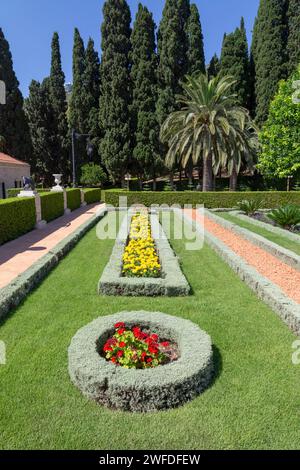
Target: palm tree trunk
column 207, row 174
column 233, row 179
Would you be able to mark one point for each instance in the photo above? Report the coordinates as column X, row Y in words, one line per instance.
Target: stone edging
column 13, row 294
column 172, row 282
column 149, row 390
column 272, row 295
column 287, row 256
column 271, row 228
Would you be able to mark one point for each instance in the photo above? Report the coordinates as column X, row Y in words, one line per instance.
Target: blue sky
column 29, row 25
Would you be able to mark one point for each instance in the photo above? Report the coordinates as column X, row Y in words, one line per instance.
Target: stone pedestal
column 27, row 193
column 40, row 224
column 83, row 203
column 66, row 209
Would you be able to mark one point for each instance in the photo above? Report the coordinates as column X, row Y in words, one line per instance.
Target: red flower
column 137, row 332
column 120, row 354
column 107, row 347
column 149, row 360
column 119, row 325
column 154, row 337
column 165, row 344
column 121, row 331
column 143, row 356
column 153, row 350
column 122, row 344
column 114, row 360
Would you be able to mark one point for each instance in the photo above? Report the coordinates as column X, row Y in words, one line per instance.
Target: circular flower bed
column 167, row 385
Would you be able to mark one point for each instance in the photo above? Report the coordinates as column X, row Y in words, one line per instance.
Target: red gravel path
column 284, row 276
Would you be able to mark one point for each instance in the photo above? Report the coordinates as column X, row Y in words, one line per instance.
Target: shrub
column 92, row 195
column 52, row 205
column 250, row 207
column 73, row 199
column 17, row 216
column 271, row 199
column 287, row 216
column 92, row 175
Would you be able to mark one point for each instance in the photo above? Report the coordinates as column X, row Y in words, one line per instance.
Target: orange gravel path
column 278, row 272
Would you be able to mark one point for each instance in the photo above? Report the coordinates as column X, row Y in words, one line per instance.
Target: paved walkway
column 18, row 255
column 278, row 272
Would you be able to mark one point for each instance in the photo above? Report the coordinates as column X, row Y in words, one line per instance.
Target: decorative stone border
column 13, row 294
column 272, row 295
column 149, row 390
column 287, row 256
column 172, row 282
column 271, row 228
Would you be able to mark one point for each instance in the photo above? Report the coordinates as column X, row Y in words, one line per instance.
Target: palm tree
column 209, row 125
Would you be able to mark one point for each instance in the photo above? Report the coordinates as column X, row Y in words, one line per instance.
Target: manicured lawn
column 253, row 403
column 273, row 237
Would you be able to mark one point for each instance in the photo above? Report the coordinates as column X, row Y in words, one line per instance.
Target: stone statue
column 28, row 184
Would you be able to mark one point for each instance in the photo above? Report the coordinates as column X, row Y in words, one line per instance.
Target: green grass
column 254, row 402
column 273, row 237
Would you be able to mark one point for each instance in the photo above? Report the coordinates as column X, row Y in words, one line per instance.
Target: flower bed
column 171, row 281
column 165, row 386
column 140, row 257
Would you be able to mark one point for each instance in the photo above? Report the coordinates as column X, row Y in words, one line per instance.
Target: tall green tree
column 269, row 53
column 40, row 120
column 280, row 136
column 173, row 46
column 76, row 111
column 196, row 57
column 58, row 103
column 235, row 62
column 293, row 46
column 14, row 130
column 91, row 95
column 115, row 95
column 144, row 81
column 214, row 66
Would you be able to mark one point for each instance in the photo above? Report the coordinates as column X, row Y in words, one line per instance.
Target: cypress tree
column 196, row 58
column 143, row 77
column 14, row 129
column 75, row 111
column 91, row 95
column 38, row 112
column 173, row 48
column 58, row 103
column 293, row 46
column 214, row 67
column 115, row 88
column 235, row 62
column 269, row 53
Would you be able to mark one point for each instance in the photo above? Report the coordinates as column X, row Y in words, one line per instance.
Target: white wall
column 11, row 173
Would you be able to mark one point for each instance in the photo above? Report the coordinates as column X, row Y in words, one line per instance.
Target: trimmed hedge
column 211, row 200
column 17, row 216
column 136, row 390
column 73, row 199
column 15, row 191
column 92, row 195
column 52, row 205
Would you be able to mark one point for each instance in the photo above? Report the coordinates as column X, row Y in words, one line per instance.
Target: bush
column 250, row 207
column 52, row 205
column 92, row 175
column 13, row 192
column 17, row 216
column 210, row 200
column 73, row 199
column 287, row 216
column 92, row 195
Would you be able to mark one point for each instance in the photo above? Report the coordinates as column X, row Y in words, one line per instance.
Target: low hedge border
column 52, row 205
column 142, row 391
column 271, row 228
column 73, row 199
column 13, row 294
column 172, row 283
column 272, row 295
column 287, row 256
column 210, row 200
column 15, row 191
column 17, row 217
column 92, row 195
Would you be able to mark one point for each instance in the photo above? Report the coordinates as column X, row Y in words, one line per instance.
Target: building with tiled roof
column 11, row 173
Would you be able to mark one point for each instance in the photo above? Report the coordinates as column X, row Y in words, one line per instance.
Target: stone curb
column 148, row 390
column 285, row 255
column 15, row 292
column 172, row 283
column 272, row 295
column 271, row 228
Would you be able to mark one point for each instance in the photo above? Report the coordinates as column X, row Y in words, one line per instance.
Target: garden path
column 278, row 272
column 18, row 255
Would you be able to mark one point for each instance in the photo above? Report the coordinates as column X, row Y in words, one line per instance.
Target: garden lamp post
column 289, row 179
column 128, row 179
column 89, row 149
